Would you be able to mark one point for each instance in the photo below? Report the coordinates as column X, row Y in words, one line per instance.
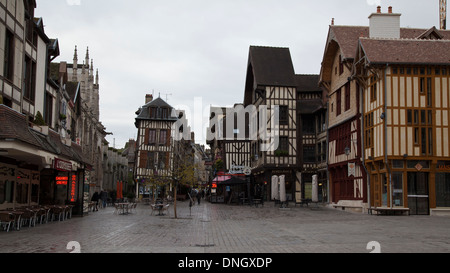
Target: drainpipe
column 385, row 137
column 361, row 89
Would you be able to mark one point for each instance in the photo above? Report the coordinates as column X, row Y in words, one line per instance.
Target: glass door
column 418, row 199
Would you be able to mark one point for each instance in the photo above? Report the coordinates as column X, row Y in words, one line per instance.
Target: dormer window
column 159, row 113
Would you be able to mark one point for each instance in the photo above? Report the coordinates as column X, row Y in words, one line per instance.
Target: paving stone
column 221, row 228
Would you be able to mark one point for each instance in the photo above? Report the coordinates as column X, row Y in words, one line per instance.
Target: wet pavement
column 220, row 228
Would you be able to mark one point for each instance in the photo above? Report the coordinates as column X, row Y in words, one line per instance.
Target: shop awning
column 233, row 181
column 221, row 178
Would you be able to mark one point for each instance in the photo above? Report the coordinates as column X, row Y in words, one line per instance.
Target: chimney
column 384, row 25
column 148, row 98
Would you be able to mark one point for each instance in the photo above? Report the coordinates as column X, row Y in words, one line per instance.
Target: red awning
column 221, row 178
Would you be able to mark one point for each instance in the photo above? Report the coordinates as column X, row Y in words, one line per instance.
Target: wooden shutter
column 168, row 138
column 143, row 159
column 147, row 134
column 167, row 161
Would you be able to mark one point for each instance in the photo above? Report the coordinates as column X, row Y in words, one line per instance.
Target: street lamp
column 347, row 151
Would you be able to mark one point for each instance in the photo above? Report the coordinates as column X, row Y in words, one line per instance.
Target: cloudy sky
column 194, row 52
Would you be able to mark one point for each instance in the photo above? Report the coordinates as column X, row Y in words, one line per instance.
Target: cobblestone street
column 219, row 228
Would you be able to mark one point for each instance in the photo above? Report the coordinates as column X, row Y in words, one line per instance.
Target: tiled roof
column 307, row 83
column 347, row 37
column 406, row 51
column 15, row 126
column 144, row 113
column 272, row 66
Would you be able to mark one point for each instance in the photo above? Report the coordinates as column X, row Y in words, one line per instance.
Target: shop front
column 18, row 187
column 419, row 185
column 63, row 185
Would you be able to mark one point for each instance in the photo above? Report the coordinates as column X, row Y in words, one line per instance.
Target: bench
column 344, row 204
column 389, row 211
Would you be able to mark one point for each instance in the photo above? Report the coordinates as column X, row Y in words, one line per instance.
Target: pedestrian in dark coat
column 95, row 199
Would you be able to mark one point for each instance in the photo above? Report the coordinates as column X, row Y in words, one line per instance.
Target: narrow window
column 284, row 115
column 423, row 117
column 430, row 141
column 151, row 136
column 8, row 72
column 338, row 102
column 422, row 85
column 162, row 137
column 48, row 108
column 416, row 136
column 347, row 96
column 429, row 93
column 424, row 141
column 30, row 79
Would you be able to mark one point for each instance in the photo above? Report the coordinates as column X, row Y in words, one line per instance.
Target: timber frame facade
column 233, row 148
column 270, row 81
column 388, row 90
column 406, row 116
column 155, row 144
column 347, row 176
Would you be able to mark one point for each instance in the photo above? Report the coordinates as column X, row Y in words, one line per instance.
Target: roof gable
column 272, row 66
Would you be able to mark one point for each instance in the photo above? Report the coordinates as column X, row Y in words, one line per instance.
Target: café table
column 158, row 207
column 123, row 207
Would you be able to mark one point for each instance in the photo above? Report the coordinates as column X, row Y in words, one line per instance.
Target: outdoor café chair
column 29, row 217
column 6, row 219
column 166, row 208
column 154, row 208
column 116, row 211
column 58, row 211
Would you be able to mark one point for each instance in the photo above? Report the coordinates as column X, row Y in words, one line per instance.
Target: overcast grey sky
column 188, row 49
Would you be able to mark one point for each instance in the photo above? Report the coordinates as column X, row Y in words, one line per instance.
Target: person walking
column 199, row 197
column 103, row 196
column 192, row 197
column 95, row 199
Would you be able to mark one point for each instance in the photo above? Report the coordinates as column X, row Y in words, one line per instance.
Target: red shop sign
column 62, row 180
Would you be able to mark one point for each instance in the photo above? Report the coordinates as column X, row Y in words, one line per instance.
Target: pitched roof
column 144, row 113
column 272, row 66
column 15, row 126
column 347, row 36
column 307, row 83
column 406, row 51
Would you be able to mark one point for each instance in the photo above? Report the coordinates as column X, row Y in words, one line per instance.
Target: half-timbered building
column 154, row 145
column 312, row 136
column 231, row 145
column 271, row 82
column 347, row 178
column 405, row 87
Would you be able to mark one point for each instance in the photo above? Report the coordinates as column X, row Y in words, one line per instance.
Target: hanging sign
column 351, row 169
